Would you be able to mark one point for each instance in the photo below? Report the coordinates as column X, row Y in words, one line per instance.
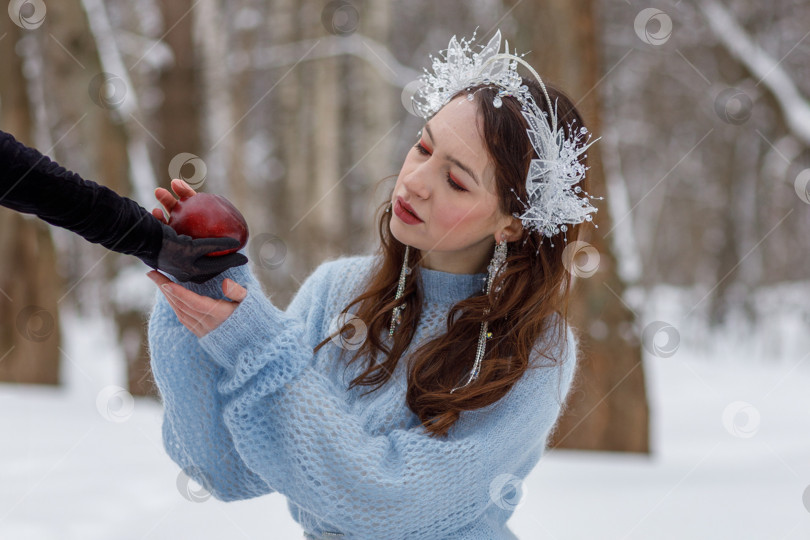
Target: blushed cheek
column 459, row 221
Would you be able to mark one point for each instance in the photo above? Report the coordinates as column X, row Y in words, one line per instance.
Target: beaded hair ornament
column 554, row 200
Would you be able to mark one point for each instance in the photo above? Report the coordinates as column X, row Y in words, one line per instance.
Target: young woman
column 469, row 353
column 33, row 184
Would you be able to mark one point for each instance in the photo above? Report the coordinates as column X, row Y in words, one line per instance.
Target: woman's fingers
column 158, row 213
column 233, row 290
column 189, row 302
column 166, row 199
column 157, row 277
column 182, row 188
column 200, row 314
column 186, row 319
column 161, row 280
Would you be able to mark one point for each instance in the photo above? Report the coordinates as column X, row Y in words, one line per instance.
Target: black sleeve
column 33, row 184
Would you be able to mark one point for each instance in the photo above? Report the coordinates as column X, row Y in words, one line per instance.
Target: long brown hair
column 533, row 303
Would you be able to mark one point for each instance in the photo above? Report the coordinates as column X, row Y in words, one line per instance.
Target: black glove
column 185, row 258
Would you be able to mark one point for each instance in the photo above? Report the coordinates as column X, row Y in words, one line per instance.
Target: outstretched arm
column 33, row 184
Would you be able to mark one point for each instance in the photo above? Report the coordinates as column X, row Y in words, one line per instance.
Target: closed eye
column 453, row 185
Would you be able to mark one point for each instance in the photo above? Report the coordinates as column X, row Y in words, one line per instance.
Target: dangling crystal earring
column 396, row 317
column 496, row 266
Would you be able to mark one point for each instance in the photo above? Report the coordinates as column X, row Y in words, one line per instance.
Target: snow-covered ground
column 730, row 457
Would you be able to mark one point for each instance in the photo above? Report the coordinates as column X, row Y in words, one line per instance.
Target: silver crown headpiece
column 555, row 200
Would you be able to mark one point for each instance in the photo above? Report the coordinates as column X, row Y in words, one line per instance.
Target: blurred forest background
column 294, row 110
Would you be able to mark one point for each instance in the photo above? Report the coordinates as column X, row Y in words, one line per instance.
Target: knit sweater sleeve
column 194, row 433
column 292, row 427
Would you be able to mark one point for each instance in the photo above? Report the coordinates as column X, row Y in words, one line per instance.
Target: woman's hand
column 198, row 313
column 168, row 201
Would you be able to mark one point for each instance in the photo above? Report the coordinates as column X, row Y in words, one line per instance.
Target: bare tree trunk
column 379, row 117
column 608, row 408
column 291, row 195
column 210, row 40
column 29, row 284
column 328, row 221
column 180, row 85
column 242, row 100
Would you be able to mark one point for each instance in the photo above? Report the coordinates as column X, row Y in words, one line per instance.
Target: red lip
column 408, row 207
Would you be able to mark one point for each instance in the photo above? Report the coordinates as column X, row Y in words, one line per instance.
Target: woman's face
column 459, row 214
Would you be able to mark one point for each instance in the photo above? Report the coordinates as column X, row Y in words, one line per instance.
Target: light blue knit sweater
column 249, row 410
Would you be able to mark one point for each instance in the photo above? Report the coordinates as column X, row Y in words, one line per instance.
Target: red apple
column 204, row 215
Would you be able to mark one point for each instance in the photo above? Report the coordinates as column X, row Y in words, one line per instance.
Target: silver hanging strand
column 496, row 266
column 396, row 317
